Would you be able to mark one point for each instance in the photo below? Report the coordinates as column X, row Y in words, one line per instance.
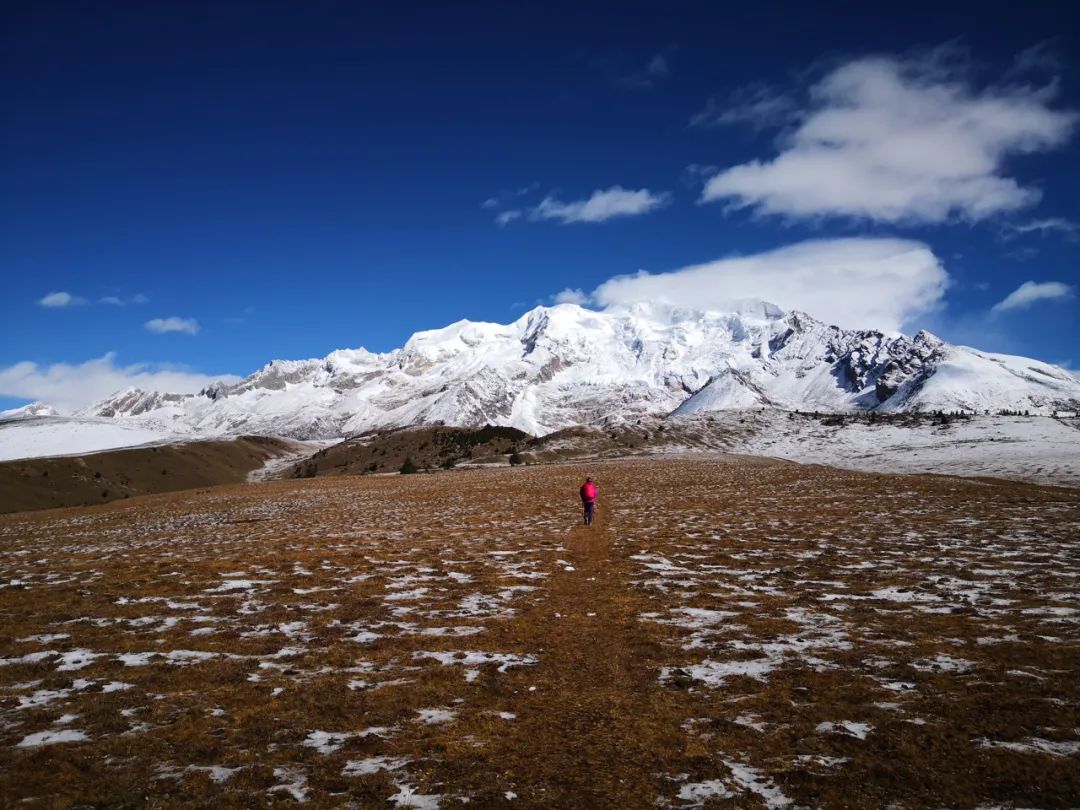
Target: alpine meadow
column 594, row 405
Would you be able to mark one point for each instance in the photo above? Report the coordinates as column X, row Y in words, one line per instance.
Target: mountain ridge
column 560, row 366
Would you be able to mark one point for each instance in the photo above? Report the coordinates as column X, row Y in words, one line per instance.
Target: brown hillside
column 434, row 447
column 429, row 447
column 45, row 483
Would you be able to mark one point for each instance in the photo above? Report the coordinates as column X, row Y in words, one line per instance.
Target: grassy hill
column 46, row 483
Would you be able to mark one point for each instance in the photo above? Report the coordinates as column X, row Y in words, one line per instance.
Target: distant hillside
column 45, row 483
column 435, row 447
column 1036, row 448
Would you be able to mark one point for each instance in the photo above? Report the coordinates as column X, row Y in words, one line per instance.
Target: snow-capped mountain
column 27, row 411
column 565, row 365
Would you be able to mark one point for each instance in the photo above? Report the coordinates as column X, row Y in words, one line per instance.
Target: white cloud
column 571, row 296
column 57, row 300
column 161, row 326
column 900, row 140
column 506, row 217
column 70, row 387
column 862, row 283
column 600, row 206
column 1029, row 292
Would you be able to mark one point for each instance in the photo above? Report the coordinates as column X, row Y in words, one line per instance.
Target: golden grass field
column 731, row 632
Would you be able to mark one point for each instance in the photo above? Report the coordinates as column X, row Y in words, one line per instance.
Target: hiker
column 588, row 493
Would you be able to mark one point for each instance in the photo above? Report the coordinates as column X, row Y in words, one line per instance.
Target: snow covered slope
column 560, row 366
column 1036, row 448
column 33, row 409
column 51, row 435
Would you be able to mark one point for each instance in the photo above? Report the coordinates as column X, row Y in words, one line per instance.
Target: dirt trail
column 592, row 732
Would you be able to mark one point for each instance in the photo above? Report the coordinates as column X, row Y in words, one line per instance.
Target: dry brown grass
column 844, row 590
column 429, row 447
column 95, row 478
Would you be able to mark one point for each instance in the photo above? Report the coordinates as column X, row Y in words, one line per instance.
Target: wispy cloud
column 896, row 139
column 571, row 296
column 1030, row 292
column 602, row 205
column 71, row 387
column 59, row 300
column 630, row 73
column 859, row 282
column 1042, row 227
column 117, row 301
column 647, row 76
column 241, row 319
column 696, row 174
column 758, row 105
column 163, row 326
column 509, row 197
column 1042, row 57
column 1024, row 254
column 504, row 218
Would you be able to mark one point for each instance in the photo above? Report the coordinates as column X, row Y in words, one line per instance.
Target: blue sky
column 192, row 190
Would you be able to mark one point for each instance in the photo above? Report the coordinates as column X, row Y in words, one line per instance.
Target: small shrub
column 409, row 467
column 515, row 458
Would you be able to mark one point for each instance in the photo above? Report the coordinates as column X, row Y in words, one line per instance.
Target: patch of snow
column 365, row 767
column 434, row 716
column 293, row 782
column 697, row 793
column 1036, row 745
column 76, row 659
column 845, row 727
column 51, row 738
column 754, row 781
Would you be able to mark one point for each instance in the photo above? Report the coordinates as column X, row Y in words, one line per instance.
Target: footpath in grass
column 596, row 729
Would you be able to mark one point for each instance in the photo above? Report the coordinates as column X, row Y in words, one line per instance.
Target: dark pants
column 590, row 511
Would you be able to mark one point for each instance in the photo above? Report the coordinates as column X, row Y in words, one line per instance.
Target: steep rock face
column 134, row 402
column 561, row 366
